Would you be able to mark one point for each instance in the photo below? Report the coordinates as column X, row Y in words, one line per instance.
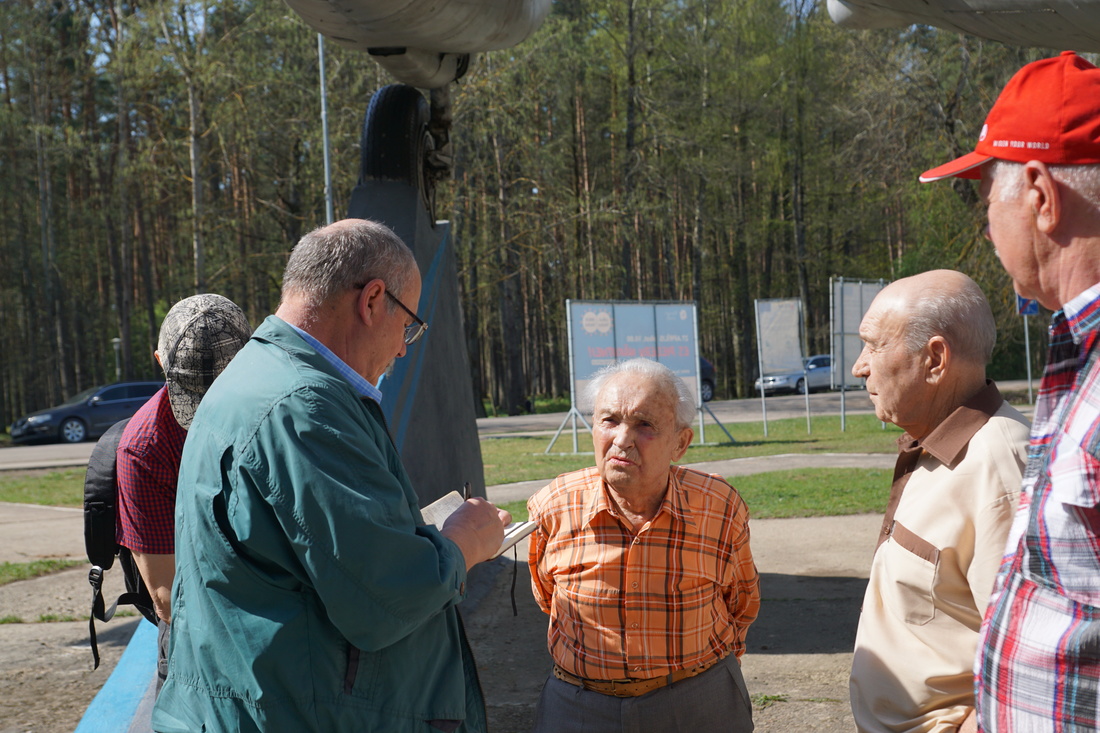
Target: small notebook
column 437, row 512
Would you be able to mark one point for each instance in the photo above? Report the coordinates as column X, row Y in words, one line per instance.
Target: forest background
column 701, row 150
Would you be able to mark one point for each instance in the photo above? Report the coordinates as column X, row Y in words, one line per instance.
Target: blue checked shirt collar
column 1083, row 313
column 356, row 380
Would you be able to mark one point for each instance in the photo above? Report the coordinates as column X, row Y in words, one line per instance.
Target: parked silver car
column 818, row 375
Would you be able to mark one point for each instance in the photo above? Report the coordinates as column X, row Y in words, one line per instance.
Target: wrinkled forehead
column 633, row 396
column 886, row 315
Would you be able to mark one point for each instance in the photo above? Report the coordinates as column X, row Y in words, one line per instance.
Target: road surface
column 30, row 457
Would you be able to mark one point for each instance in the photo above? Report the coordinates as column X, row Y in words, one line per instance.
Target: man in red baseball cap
column 1038, row 159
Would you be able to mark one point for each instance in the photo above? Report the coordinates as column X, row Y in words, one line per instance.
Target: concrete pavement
column 32, row 532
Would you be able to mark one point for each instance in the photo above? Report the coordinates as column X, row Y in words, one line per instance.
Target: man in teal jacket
column 309, row 594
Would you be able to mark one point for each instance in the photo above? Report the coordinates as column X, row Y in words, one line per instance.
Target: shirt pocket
column 910, row 567
column 1074, row 474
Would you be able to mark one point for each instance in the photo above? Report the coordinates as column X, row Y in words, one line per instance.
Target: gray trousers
column 716, row 700
column 162, row 653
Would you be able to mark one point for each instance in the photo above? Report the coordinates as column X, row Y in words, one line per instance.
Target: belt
column 631, row 688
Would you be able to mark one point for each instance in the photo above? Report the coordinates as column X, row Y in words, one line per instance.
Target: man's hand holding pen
column 477, row 527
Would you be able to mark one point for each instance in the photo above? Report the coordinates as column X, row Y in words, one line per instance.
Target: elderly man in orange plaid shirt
column 645, row 570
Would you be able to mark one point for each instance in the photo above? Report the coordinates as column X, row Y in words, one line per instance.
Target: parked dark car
column 706, row 379
column 819, row 372
column 87, row 415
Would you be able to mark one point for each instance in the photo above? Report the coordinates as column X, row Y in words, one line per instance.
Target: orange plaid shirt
column 680, row 594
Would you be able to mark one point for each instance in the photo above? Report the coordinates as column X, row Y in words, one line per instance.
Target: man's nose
column 623, row 436
column 859, row 368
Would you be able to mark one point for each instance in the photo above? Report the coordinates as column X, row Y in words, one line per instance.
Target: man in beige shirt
column 926, row 341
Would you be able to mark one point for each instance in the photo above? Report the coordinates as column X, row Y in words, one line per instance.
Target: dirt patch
column 796, row 667
column 47, row 666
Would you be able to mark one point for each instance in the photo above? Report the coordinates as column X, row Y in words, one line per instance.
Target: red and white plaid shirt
column 679, row 594
column 1038, row 666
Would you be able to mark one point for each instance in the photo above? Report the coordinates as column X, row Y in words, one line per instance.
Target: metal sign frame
column 760, row 349
column 844, row 329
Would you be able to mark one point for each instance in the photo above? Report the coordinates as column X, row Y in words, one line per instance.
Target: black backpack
column 100, row 516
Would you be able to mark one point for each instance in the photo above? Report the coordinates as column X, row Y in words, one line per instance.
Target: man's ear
column 937, row 355
column 370, row 299
column 1043, row 195
column 683, row 441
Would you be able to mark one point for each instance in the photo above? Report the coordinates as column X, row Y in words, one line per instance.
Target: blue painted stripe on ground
column 113, row 709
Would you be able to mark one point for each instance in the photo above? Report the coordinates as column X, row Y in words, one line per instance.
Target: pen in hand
column 466, row 491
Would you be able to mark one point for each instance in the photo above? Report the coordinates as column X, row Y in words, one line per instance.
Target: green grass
column 759, row 702
column 57, row 488
column 50, row 618
column 815, row 492
column 809, row 492
column 792, row 493
column 13, row 571
column 508, row 460
column 518, row 510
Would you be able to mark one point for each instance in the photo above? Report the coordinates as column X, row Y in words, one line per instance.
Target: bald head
column 943, row 303
column 926, row 341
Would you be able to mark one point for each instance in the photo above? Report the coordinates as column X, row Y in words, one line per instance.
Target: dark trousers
column 716, row 700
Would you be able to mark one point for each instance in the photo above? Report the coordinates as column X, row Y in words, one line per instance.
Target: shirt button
column 633, row 626
column 634, row 584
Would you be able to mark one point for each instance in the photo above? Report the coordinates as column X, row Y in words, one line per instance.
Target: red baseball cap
column 1049, row 111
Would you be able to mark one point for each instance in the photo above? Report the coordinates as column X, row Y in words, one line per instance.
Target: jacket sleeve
column 322, row 497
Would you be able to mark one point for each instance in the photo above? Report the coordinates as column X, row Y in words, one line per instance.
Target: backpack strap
column 95, row 579
column 100, row 513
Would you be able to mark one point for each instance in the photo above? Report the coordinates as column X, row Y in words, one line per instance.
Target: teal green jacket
column 309, row 594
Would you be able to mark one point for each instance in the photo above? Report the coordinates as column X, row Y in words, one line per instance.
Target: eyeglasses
column 413, row 331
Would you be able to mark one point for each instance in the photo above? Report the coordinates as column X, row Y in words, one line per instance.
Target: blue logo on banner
column 1026, row 306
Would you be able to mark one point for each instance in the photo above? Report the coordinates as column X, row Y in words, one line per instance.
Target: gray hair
column 1008, row 176
column 665, row 379
column 962, row 318
column 345, row 255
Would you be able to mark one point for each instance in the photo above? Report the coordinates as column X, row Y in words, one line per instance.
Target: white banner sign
column 779, row 325
column 603, row 332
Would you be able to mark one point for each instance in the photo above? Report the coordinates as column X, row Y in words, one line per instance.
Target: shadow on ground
column 802, row 614
column 799, row 649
